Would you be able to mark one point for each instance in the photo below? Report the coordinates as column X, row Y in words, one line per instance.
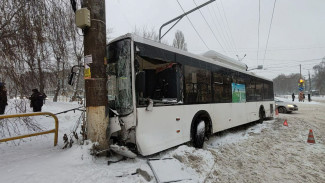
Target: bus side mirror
column 140, row 82
column 71, row 76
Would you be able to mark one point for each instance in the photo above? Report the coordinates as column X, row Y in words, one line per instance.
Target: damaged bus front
column 119, row 71
column 138, row 80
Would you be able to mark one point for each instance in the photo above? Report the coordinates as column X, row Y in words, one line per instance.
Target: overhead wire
column 274, row 49
column 291, row 63
column 217, row 28
column 258, row 29
column 224, row 12
column 194, row 27
column 210, row 28
column 268, row 36
column 277, row 69
column 292, row 60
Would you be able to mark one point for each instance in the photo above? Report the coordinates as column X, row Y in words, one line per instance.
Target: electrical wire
column 258, row 29
column 290, row 65
column 194, row 27
column 285, row 64
column 268, row 36
column 218, row 31
column 292, row 60
column 228, row 26
column 275, row 49
column 210, row 28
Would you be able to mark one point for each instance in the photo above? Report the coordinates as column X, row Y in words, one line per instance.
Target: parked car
column 285, row 107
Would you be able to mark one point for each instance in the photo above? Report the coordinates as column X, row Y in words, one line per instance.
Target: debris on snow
column 122, row 150
column 168, row 170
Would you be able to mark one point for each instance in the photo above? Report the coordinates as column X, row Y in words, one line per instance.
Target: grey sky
column 297, row 34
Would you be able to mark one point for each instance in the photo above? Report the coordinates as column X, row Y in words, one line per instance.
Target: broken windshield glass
column 119, row 57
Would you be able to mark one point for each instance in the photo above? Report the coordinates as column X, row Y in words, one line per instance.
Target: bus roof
column 216, row 58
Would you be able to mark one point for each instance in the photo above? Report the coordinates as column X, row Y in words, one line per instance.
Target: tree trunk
column 41, row 76
column 63, row 77
column 57, row 90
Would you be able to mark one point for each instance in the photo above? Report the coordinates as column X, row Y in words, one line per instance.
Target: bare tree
column 148, row 34
column 58, row 39
column 179, row 41
column 286, row 84
column 145, row 33
column 319, row 77
column 33, row 35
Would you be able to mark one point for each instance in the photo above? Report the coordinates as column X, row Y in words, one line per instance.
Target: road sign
column 301, row 88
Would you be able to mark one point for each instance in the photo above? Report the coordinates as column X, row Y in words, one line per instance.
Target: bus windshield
column 119, row 76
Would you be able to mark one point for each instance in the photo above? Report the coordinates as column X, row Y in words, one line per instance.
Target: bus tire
column 199, row 136
column 261, row 115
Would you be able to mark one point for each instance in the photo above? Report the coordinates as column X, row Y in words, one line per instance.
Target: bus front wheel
column 199, row 136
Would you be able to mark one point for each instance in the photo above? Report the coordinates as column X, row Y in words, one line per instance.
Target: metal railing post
column 55, row 131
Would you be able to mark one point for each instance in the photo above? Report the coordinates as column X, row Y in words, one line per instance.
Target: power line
column 292, row 60
column 217, row 28
column 274, row 49
column 258, row 29
column 268, row 36
column 285, row 66
column 291, row 65
column 193, row 26
column 279, row 49
column 222, row 29
column 279, row 67
column 224, row 13
column 209, row 27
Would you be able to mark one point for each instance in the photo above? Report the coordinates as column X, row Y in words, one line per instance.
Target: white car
column 285, row 107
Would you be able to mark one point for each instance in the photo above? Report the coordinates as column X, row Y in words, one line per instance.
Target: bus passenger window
column 163, row 81
column 198, row 85
column 259, row 91
column 251, row 92
column 218, row 85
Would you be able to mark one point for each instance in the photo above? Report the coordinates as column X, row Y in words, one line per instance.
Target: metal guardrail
column 55, row 130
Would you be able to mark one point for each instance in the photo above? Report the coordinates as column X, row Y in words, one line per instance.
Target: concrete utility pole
column 309, row 82
column 300, row 71
column 95, row 85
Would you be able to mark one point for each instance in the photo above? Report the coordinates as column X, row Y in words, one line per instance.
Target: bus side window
column 251, row 91
column 198, row 85
column 227, row 94
column 218, row 87
column 259, row 91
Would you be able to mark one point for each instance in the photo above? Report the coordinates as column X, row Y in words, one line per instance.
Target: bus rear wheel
column 199, row 136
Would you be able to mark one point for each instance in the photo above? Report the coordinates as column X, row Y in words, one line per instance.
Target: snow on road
column 268, row 152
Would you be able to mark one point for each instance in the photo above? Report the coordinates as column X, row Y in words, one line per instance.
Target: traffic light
column 301, row 84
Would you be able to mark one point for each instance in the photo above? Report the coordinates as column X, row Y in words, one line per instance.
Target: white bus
column 161, row 97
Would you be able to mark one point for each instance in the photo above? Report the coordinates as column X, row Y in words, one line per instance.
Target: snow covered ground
column 268, row 152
